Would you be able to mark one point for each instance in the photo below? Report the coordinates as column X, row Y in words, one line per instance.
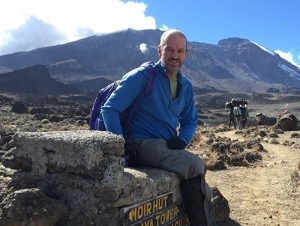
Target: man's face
column 172, row 55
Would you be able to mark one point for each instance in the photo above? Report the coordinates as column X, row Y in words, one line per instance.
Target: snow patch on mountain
column 293, row 74
column 144, row 48
column 264, row 48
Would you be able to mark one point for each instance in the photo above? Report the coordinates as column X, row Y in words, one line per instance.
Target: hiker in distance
column 151, row 137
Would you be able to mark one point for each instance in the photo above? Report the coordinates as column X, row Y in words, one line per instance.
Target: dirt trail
column 262, row 195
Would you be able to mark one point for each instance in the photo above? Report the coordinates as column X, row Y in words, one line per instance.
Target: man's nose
column 174, row 55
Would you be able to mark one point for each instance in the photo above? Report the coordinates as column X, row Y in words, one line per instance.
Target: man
column 237, row 114
column 229, row 108
column 153, row 137
column 244, row 115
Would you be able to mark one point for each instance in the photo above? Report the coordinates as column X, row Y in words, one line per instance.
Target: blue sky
column 30, row 24
column 275, row 24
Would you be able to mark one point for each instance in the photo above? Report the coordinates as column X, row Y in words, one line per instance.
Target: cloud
column 30, row 24
column 32, row 34
column 288, row 56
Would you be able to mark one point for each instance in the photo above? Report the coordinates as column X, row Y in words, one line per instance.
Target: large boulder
column 287, row 122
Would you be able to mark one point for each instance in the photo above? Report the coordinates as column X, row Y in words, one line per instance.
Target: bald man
column 164, row 123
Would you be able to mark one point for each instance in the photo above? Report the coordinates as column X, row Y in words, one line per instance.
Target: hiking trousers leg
column 155, row 153
column 189, row 167
column 193, row 200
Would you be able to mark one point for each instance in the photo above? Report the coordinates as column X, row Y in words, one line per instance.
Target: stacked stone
column 73, row 178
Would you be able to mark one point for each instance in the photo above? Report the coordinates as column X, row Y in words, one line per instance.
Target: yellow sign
column 159, row 211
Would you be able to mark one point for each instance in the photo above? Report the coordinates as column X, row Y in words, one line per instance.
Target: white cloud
column 164, row 28
column 34, row 33
column 25, row 25
column 288, row 56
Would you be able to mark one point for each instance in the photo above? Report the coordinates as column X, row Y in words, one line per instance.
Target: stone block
column 85, row 153
column 79, row 171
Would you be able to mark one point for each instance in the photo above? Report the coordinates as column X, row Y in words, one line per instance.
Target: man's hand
column 176, row 143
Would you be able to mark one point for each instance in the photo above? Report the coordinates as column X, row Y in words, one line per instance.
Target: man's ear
column 159, row 50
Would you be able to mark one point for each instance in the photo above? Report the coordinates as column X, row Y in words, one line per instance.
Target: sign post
column 159, row 211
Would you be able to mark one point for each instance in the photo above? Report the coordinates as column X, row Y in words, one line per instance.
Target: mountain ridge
column 34, row 80
column 234, row 64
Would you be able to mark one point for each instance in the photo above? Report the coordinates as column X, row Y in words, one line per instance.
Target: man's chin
column 173, row 67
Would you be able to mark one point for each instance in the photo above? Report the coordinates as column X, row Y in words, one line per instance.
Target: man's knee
column 196, row 167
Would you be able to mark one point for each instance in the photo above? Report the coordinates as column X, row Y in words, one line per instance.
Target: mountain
column 249, row 66
column 34, row 80
column 91, row 85
column 234, row 64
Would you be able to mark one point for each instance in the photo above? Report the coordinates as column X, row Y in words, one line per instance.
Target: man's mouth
column 172, row 61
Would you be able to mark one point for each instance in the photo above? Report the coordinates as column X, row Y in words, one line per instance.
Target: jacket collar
column 163, row 71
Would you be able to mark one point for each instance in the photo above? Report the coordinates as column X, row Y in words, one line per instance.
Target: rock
column 216, row 165
column 31, row 207
column 253, row 156
column 5, row 138
column 262, row 133
column 251, row 143
column 220, row 206
column 273, row 135
column 295, row 135
column 287, row 122
column 11, row 160
column 238, row 160
column 237, row 147
column 78, row 152
column 274, row 141
column 277, row 130
column 45, row 121
column 19, row 107
column 220, row 147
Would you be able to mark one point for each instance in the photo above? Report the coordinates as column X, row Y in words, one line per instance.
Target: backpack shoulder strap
column 150, row 76
column 146, row 91
column 148, row 68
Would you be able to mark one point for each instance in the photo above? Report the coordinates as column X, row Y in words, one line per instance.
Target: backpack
column 96, row 122
column 237, row 111
column 238, row 101
column 243, row 112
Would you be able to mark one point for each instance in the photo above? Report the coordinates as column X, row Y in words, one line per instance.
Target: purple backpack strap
column 149, row 66
column 95, row 122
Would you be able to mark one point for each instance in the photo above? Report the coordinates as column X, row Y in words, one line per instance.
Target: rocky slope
column 234, row 64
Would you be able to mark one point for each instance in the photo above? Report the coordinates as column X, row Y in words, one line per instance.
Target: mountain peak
column 232, row 41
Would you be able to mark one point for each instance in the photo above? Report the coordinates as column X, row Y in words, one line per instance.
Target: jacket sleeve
column 125, row 94
column 188, row 118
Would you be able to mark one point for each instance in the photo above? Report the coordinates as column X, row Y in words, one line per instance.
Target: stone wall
column 74, row 178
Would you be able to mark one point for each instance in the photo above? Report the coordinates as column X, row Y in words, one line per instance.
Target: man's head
column 172, row 51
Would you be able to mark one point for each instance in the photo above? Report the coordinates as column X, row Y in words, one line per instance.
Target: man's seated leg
column 189, row 167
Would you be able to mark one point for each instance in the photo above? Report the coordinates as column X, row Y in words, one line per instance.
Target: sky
column 30, row 24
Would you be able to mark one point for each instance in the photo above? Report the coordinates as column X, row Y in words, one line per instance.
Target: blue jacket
column 157, row 116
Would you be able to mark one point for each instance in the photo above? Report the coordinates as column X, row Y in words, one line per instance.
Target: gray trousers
column 155, row 153
column 188, row 166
